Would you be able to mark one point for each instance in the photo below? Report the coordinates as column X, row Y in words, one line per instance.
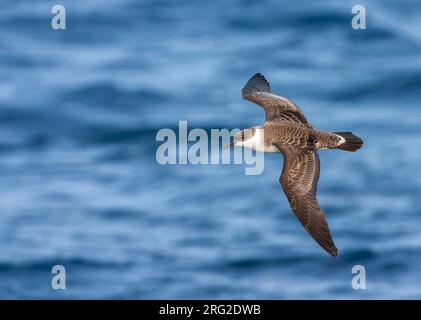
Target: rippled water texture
column 80, row 185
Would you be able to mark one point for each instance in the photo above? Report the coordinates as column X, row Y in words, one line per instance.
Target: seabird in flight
column 287, row 130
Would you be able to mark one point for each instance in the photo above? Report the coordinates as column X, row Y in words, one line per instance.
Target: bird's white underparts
column 255, row 140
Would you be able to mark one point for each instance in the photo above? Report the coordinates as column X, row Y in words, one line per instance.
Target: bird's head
column 241, row 137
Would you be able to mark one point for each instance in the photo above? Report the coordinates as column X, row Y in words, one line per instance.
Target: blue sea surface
column 80, row 185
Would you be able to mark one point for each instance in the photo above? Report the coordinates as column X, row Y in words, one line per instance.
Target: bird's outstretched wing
column 257, row 90
column 299, row 181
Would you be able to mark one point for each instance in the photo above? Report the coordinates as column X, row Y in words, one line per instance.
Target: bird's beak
column 229, row 144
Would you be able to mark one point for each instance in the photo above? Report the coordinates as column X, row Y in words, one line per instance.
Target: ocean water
column 80, row 185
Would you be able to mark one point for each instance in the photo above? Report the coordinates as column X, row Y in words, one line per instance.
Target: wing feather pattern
column 299, row 179
column 257, row 90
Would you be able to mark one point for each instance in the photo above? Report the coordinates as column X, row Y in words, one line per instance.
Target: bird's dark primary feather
column 256, row 83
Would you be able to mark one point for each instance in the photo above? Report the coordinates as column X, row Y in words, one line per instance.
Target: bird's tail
column 352, row 142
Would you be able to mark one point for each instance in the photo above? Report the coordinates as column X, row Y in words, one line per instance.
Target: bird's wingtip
column 334, row 252
column 256, row 83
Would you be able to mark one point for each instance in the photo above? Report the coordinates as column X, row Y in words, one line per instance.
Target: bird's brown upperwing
column 299, row 179
column 257, row 90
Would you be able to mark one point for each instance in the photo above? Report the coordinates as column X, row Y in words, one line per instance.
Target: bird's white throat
column 257, row 142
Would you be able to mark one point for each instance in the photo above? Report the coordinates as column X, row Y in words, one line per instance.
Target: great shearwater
column 287, row 130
